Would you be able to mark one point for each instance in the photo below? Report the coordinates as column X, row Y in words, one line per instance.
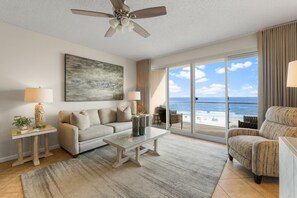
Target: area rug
column 183, row 169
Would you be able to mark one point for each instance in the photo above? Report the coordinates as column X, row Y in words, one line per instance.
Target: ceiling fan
column 122, row 17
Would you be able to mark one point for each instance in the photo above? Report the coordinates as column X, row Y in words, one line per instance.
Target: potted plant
column 22, row 122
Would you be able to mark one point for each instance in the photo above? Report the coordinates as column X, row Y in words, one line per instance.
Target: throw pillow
column 93, row 116
column 124, row 114
column 107, row 115
column 81, row 120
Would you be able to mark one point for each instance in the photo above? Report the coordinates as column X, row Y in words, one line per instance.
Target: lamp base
column 134, row 107
column 39, row 116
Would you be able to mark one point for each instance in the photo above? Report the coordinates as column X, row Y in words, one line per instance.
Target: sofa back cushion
column 280, row 121
column 107, row 115
column 124, row 114
column 81, row 120
column 93, row 116
column 64, row 116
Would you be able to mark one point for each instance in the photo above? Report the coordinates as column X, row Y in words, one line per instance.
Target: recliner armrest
column 265, row 158
column 242, row 131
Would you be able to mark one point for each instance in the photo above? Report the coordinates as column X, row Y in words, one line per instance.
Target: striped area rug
column 183, row 170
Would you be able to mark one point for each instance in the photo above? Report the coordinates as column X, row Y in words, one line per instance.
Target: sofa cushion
column 107, row 115
column 243, row 144
column 81, row 120
column 64, row 116
column 94, row 116
column 120, row 126
column 124, row 114
column 96, row 131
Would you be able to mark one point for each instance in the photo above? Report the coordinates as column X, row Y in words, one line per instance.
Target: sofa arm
column 68, row 138
column 241, row 131
column 265, row 156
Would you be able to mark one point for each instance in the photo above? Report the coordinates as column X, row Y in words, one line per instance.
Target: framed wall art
column 92, row 80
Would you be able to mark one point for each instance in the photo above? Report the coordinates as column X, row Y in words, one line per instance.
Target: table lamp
column 40, row 96
column 133, row 96
column 292, row 74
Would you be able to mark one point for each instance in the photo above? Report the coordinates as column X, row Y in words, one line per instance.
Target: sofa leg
column 230, row 157
column 257, row 179
column 75, row 156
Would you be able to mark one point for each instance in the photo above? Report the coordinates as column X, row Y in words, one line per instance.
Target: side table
column 33, row 134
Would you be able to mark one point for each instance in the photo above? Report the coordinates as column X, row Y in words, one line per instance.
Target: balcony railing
column 213, row 112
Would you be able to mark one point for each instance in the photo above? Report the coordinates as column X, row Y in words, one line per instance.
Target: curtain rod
column 279, row 25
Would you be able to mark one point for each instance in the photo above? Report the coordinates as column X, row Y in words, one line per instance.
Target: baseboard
column 27, row 153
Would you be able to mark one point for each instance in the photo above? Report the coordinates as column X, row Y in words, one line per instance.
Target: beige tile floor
column 235, row 180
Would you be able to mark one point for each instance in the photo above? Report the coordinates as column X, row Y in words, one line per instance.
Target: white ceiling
column 187, row 25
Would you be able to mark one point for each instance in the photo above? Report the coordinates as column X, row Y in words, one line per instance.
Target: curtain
column 143, row 69
column 277, row 47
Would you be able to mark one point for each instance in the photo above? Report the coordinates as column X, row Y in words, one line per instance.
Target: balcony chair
column 248, row 122
column 257, row 150
column 174, row 117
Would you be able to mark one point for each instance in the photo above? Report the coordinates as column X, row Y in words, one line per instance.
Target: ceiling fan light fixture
column 114, row 23
column 130, row 27
column 120, row 28
column 125, row 21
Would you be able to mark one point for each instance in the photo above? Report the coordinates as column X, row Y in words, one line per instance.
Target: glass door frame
column 193, row 97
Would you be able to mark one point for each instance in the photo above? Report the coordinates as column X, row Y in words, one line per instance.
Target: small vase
column 23, row 128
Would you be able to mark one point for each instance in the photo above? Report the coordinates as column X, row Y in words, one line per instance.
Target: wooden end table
column 33, row 133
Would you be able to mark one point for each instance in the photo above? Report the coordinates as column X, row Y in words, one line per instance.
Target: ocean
column 212, row 109
column 237, row 105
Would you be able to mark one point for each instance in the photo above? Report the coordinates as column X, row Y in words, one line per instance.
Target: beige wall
column 29, row 59
column 211, row 51
column 158, row 89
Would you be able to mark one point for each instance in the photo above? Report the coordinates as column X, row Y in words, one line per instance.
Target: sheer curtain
column 143, row 68
column 277, row 47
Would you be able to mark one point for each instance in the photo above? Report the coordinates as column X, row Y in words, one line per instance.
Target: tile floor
column 235, row 180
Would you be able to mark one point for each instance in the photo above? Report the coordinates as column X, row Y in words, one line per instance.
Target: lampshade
column 120, row 28
column 38, row 95
column 130, row 27
column 134, row 95
column 125, row 21
column 292, row 74
column 114, row 23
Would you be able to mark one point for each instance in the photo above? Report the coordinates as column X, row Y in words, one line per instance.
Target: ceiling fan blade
column 140, row 30
column 149, row 12
column 91, row 13
column 118, row 4
column 110, row 32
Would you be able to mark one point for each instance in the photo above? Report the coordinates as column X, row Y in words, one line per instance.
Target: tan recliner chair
column 258, row 150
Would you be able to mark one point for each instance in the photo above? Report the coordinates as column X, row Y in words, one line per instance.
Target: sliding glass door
column 210, row 103
column 243, row 91
column 205, row 100
column 180, row 98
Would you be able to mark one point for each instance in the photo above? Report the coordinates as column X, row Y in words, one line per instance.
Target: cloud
column 212, row 89
column 253, row 93
column 236, row 66
column 186, row 73
column 200, row 66
column 201, row 80
column 220, row 70
column 247, row 87
column 173, row 88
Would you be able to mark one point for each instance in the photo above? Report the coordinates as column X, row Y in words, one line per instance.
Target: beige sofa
column 258, row 150
column 81, row 131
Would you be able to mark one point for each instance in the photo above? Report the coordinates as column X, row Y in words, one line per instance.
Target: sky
column 210, row 79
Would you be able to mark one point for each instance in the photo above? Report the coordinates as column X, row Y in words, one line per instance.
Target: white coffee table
column 125, row 142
